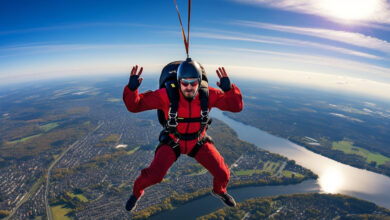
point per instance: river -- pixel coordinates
(334, 177)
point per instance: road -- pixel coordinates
(48, 211)
(21, 201)
(27, 196)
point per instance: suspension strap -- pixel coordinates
(186, 41)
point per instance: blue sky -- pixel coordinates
(343, 44)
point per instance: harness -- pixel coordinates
(170, 125)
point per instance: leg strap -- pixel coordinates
(165, 139)
(199, 144)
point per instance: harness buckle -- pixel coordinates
(204, 117)
(172, 114)
(172, 123)
(172, 119)
(176, 144)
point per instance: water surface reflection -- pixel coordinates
(334, 177)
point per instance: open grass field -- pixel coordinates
(80, 196)
(271, 167)
(288, 174)
(59, 212)
(132, 151)
(24, 139)
(49, 126)
(45, 128)
(348, 148)
(247, 172)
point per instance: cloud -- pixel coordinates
(356, 39)
(109, 53)
(295, 61)
(77, 26)
(371, 11)
(43, 48)
(291, 68)
(282, 41)
(34, 62)
(314, 79)
(49, 47)
(346, 117)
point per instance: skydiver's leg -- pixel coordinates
(210, 158)
(163, 160)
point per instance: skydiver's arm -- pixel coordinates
(136, 102)
(149, 100)
(230, 100)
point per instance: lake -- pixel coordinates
(334, 177)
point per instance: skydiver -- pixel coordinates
(186, 133)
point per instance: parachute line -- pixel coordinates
(186, 41)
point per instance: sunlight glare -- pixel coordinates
(350, 9)
(331, 181)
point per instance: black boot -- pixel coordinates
(131, 204)
(227, 199)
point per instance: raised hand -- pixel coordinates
(224, 83)
(134, 80)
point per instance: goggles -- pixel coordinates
(186, 82)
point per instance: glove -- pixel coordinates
(225, 84)
(133, 83)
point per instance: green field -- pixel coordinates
(45, 128)
(348, 148)
(24, 139)
(247, 172)
(49, 126)
(288, 174)
(80, 196)
(271, 166)
(132, 151)
(59, 212)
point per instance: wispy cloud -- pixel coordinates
(78, 26)
(356, 39)
(50, 47)
(42, 48)
(314, 80)
(378, 11)
(311, 70)
(301, 62)
(281, 41)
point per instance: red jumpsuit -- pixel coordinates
(208, 155)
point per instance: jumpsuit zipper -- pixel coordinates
(188, 126)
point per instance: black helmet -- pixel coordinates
(189, 69)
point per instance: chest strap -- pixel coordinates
(189, 120)
(173, 119)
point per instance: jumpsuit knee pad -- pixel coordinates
(225, 175)
(153, 175)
